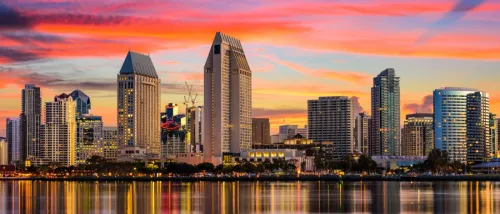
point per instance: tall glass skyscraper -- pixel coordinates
(478, 127)
(385, 121)
(31, 117)
(228, 99)
(451, 120)
(82, 102)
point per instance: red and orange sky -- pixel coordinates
(297, 49)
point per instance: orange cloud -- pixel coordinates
(348, 76)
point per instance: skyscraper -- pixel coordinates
(494, 135)
(478, 127)
(4, 153)
(417, 135)
(89, 137)
(287, 131)
(194, 125)
(331, 119)
(31, 115)
(385, 122)
(173, 133)
(59, 133)
(82, 102)
(227, 99)
(13, 139)
(138, 107)
(261, 131)
(450, 120)
(362, 133)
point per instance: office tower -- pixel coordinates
(331, 119)
(13, 139)
(385, 121)
(31, 115)
(494, 135)
(59, 133)
(110, 143)
(497, 125)
(417, 135)
(82, 102)
(138, 108)
(172, 109)
(362, 133)
(195, 127)
(227, 98)
(261, 131)
(89, 137)
(4, 151)
(287, 131)
(478, 127)
(450, 120)
(303, 131)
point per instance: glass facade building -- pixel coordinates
(82, 102)
(452, 122)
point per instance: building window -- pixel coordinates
(216, 49)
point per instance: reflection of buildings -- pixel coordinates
(228, 99)
(385, 121)
(13, 131)
(261, 131)
(59, 132)
(110, 143)
(89, 137)
(331, 119)
(138, 108)
(417, 135)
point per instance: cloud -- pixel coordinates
(339, 60)
(12, 19)
(17, 55)
(459, 10)
(426, 106)
(348, 76)
(357, 106)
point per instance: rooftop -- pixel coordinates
(136, 63)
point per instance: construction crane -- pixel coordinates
(190, 98)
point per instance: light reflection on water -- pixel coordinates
(248, 197)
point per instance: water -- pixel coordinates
(249, 197)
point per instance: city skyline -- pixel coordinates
(428, 49)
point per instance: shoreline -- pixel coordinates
(348, 178)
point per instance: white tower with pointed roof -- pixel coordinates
(227, 99)
(138, 108)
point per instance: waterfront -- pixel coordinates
(248, 197)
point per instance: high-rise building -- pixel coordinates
(417, 135)
(451, 120)
(138, 108)
(31, 117)
(304, 132)
(385, 121)
(362, 133)
(174, 140)
(13, 139)
(261, 131)
(110, 143)
(494, 135)
(227, 99)
(82, 102)
(194, 127)
(478, 127)
(89, 137)
(288, 131)
(4, 151)
(331, 119)
(59, 133)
